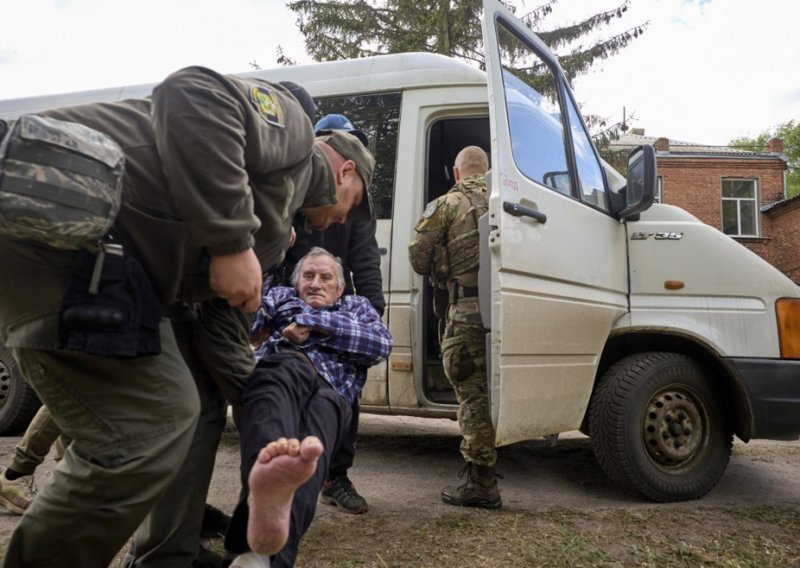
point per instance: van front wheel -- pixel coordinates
(657, 427)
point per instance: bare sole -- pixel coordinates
(281, 467)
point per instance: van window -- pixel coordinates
(537, 125)
(379, 116)
(538, 141)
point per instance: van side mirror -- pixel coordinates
(641, 187)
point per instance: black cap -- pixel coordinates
(302, 96)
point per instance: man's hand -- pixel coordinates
(297, 334)
(237, 279)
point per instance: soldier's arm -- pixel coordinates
(199, 125)
(430, 231)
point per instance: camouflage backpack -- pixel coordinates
(60, 182)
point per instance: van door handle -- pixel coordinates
(518, 210)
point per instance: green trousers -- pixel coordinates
(464, 361)
(132, 422)
(213, 339)
(40, 436)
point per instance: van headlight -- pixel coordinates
(788, 313)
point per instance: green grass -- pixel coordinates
(661, 536)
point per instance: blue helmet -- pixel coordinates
(339, 122)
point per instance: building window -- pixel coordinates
(658, 197)
(740, 207)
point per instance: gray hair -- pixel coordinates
(314, 252)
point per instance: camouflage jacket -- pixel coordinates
(446, 244)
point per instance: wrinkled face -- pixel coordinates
(317, 284)
(349, 193)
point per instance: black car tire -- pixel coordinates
(658, 427)
(18, 401)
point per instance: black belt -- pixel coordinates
(456, 291)
(468, 291)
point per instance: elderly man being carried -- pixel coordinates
(314, 346)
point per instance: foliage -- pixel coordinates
(789, 132)
(340, 29)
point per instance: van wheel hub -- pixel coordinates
(673, 428)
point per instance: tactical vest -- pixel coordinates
(460, 253)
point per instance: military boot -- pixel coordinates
(479, 489)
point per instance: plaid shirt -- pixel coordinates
(348, 336)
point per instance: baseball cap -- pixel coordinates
(351, 148)
(340, 122)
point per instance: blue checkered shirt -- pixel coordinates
(348, 336)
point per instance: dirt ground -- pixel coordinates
(559, 508)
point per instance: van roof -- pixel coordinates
(349, 76)
(372, 74)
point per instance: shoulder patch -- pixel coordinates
(430, 209)
(267, 105)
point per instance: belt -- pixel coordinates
(468, 291)
(456, 291)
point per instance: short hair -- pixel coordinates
(314, 252)
(472, 160)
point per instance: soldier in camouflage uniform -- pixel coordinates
(445, 249)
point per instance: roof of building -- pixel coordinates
(778, 204)
(635, 137)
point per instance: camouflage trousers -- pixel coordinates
(464, 360)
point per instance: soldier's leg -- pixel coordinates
(344, 456)
(131, 421)
(222, 343)
(35, 444)
(61, 445)
(464, 359)
(338, 490)
(170, 535)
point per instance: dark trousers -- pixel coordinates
(342, 460)
(285, 397)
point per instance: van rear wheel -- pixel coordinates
(656, 426)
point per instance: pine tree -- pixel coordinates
(341, 29)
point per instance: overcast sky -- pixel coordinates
(705, 71)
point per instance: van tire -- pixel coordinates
(18, 401)
(657, 427)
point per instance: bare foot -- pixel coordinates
(281, 467)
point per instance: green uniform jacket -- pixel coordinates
(215, 165)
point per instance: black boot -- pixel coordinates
(479, 490)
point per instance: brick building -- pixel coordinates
(741, 193)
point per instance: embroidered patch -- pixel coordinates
(267, 105)
(430, 209)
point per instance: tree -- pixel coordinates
(789, 132)
(341, 29)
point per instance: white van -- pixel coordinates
(653, 333)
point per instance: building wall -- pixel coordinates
(695, 184)
(785, 238)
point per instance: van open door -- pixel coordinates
(558, 256)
